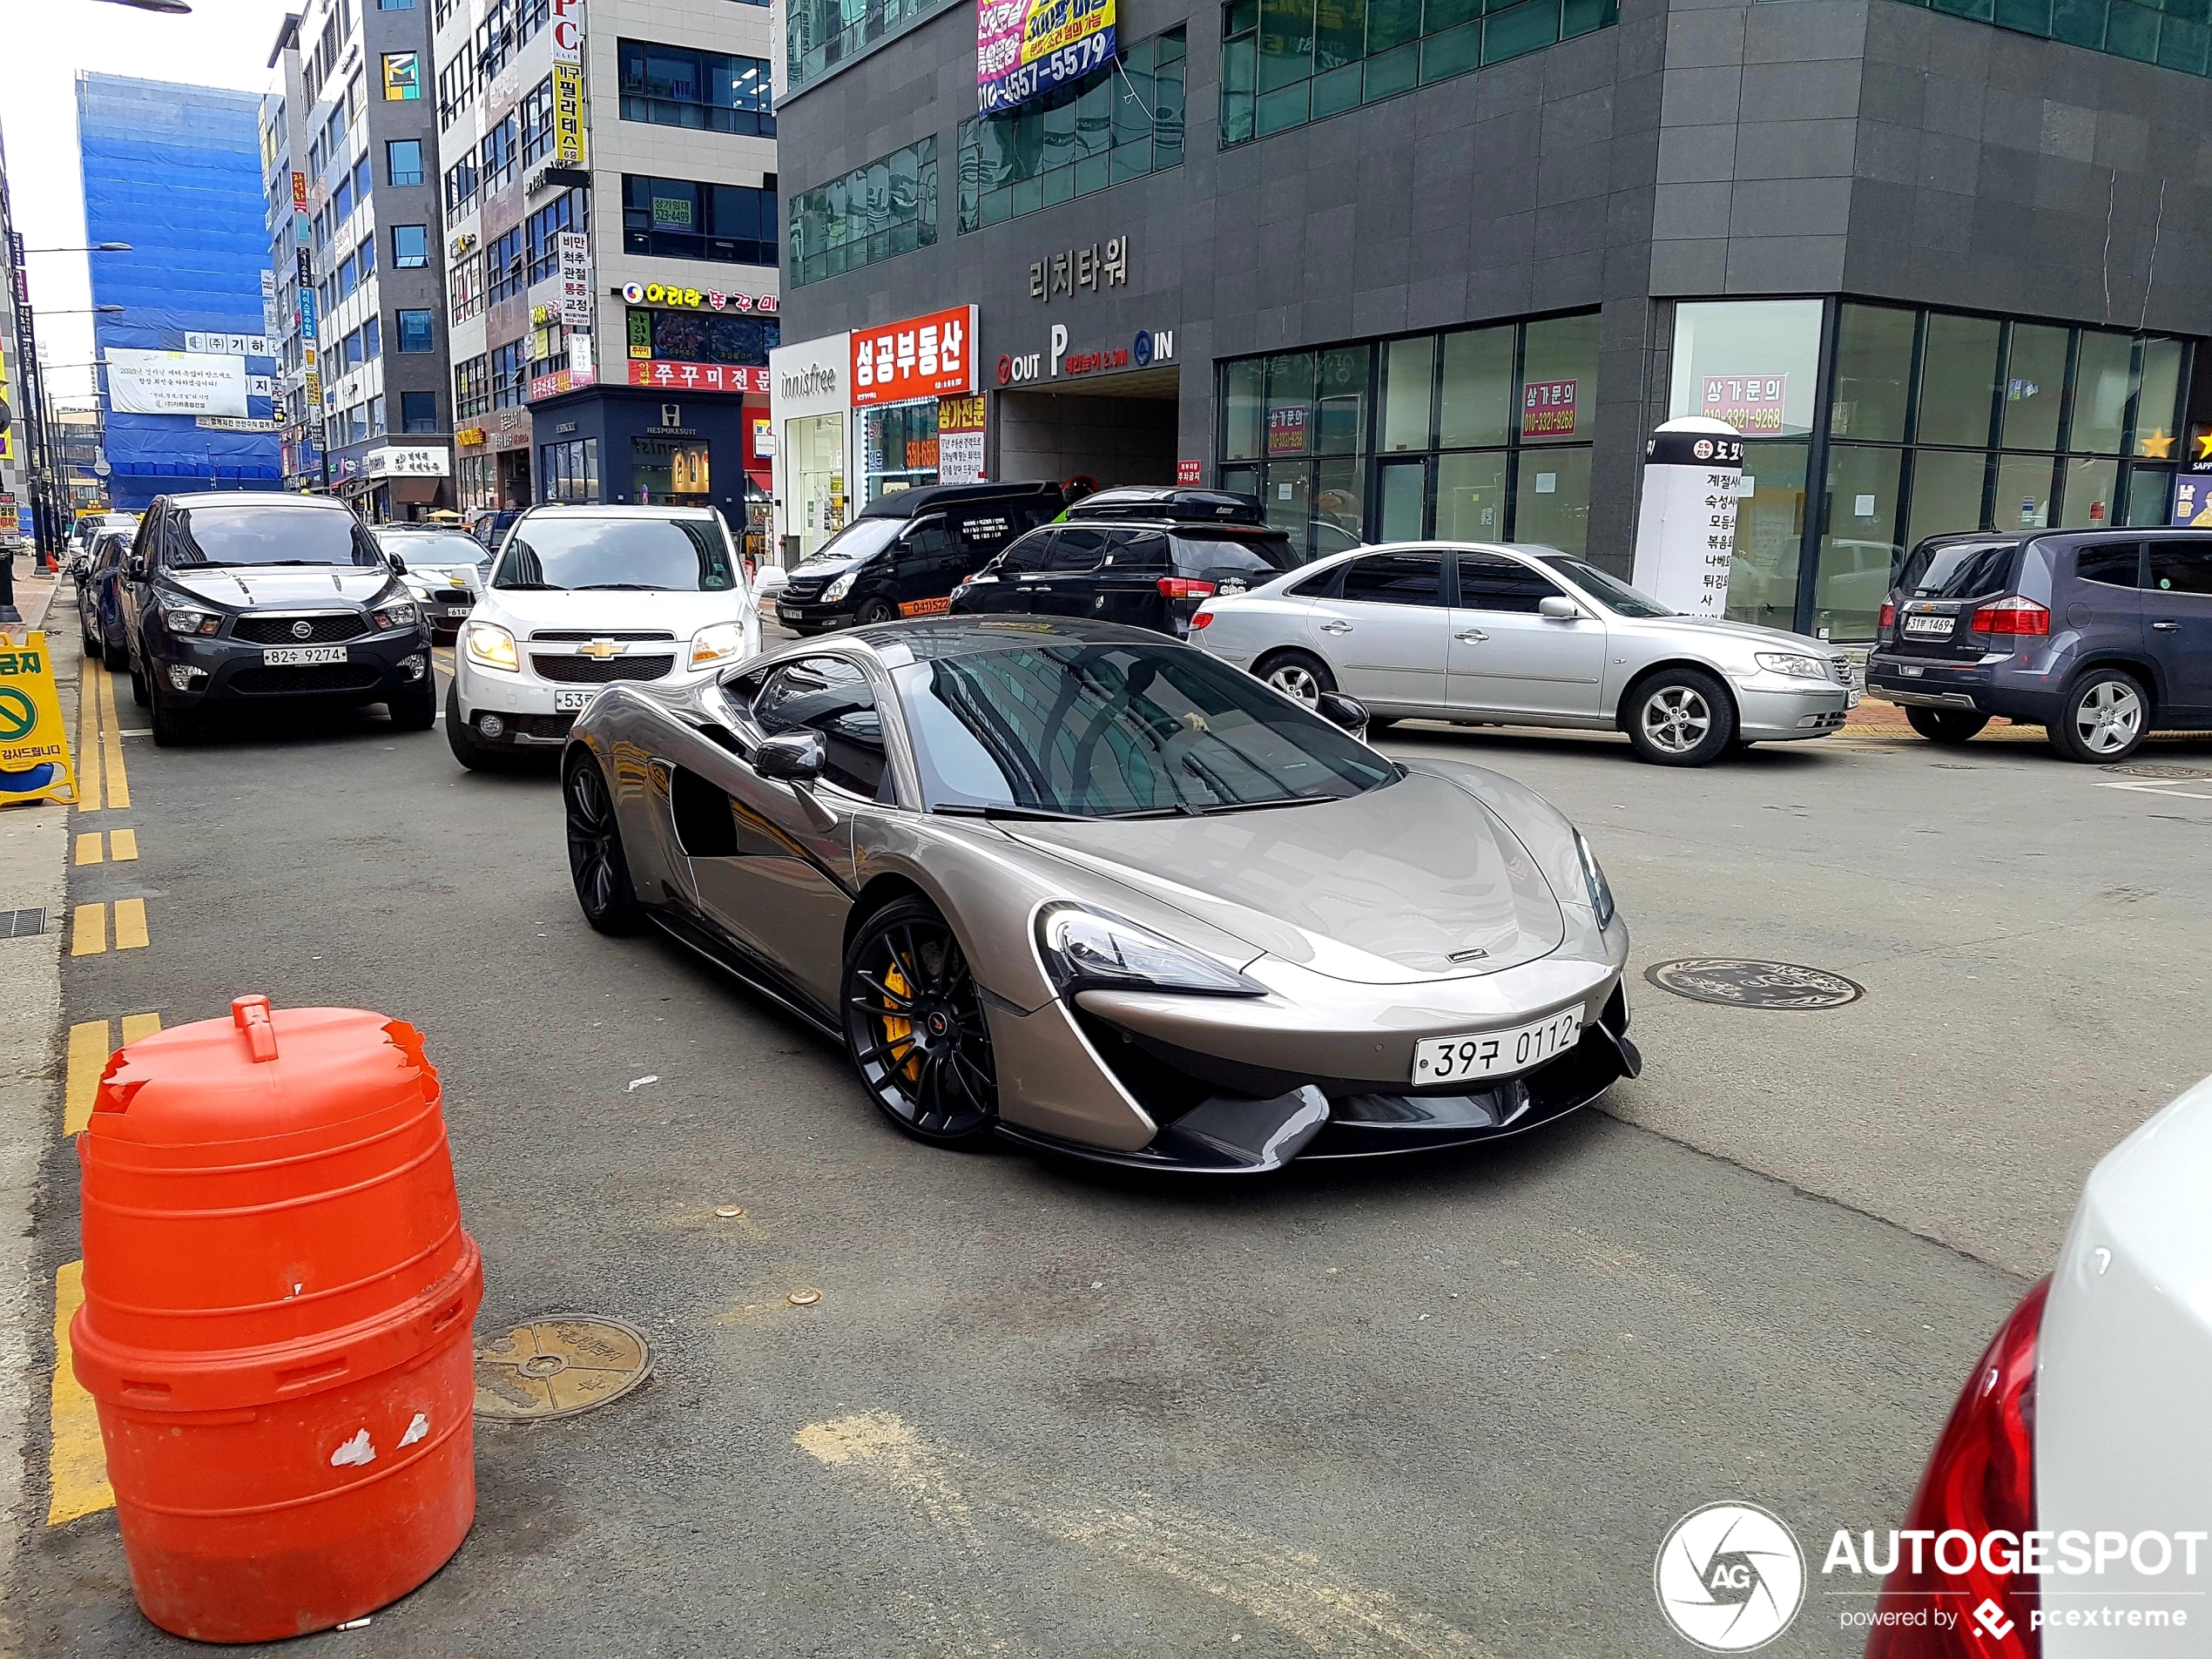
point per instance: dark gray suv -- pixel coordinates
(2099, 637)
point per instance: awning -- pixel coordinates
(761, 480)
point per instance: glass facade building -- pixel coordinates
(873, 212)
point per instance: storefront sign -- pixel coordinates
(1751, 404)
(402, 78)
(1686, 530)
(699, 377)
(231, 345)
(920, 357)
(568, 31)
(467, 435)
(2192, 500)
(422, 461)
(231, 423)
(175, 382)
(1025, 47)
(568, 115)
(655, 294)
(575, 279)
(1286, 430)
(1102, 265)
(560, 381)
(960, 440)
(1547, 409)
(299, 192)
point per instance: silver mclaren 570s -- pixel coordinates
(1090, 889)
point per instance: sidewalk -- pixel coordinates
(34, 594)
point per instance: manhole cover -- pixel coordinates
(1732, 981)
(558, 1366)
(2154, 769)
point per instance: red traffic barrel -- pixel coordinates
(278, 1295)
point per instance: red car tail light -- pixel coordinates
(2012, 614)
(1979, 1486)
(1888, 618)
(1204, 619)
(1182, 587)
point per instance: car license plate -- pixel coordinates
(294, 656)
(567, 702)
(1850, 697)
(926, 607)
(456, 611)
(787, 613)
(1929, 627)
(1496, 1053)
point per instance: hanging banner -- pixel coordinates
(568, 115)
(1025, 47)
(960, 440)
(175, 382)
(575, 279)
(34, 744)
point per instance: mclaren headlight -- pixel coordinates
(1593, 878)
(1094, 950)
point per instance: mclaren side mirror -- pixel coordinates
(1349, 712)
(1558, 608)
(790, 757)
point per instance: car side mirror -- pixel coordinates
(398, 564)
(1558, 608)
(790, 757)
(135, 567)
(1347, 712)
(770, 580)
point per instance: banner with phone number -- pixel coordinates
(1026, 47)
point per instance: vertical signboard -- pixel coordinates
(960, 439)
(1026, 47)
(575, 279)
(1693, 471)
(567, 30)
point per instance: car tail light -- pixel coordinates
(1182, 587)
(1888, 618)
(1981, 1479)
(1204, 619)
(2012, 614)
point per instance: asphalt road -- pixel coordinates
(1443, 1407)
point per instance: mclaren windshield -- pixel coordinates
(1118, 731)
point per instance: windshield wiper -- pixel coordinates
(968, 809)
(530, 587)
(626, 587)
(1197, 811)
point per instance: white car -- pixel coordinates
(580, 598)
(2076, 1467)
(1485, 633)
(441, 572)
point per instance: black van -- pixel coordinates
(907, 551)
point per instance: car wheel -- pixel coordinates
(113, 656)
(596, 860)
(875, 611)
(1679, 716)
(170, 727)
(914, 1027)
(2106, 717)
(416, 709)
(138, 692)
(1296, 674)
(1945, 725)
(467, 748)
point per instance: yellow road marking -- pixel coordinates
(139, 1025)
(78, 1461)
(88, 1053)
(88, 937)
(130, 924)
(123, 846)
(119, 784)
(91, 846)
(88, 735)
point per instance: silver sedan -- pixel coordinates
(1488, 634)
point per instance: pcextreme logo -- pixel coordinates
(1730, 1577)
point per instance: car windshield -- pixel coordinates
(433, 549)
(1608, 591)
(1111, 730)
(656, 554)
(226, 533)
(1258, 555)
(1959, 569)
(863, 538)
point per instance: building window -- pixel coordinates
(402, 77)
(365, 256)
(411, 247)
(701, 337)
(314, 157)
(466, 284)
(681, 218)
(542, 234)
(371, 340)
(1123, 122)
(1285, 63)
(419, 411)
(678, 86)
(509, 373)
(476, 481)
(498, 152)
(2178, 39)
(504, 273)
(495, 45)
(568, 472)
(416, 334)
(819, 35)
(456, 85)
(530, 17)
(342, 201)
(536, 113)
(1479, 435)
(461, 188)
(395, 5)
(471, 388)
(356, 98)
(403, 161)
(364, 181)
(350, 351)
(348, 278)
(874, 212)
(376, 417)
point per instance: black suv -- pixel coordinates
(907, 551)
(2099, 637)
(233, 596)
(1146, 557)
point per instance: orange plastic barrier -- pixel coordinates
(278, 1295)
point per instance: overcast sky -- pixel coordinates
(224, 42)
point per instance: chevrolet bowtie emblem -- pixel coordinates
(601, 649)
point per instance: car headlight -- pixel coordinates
(183, 619)
(490, 646)
(1090, 949)
(398, 613)
(840, 587)
(722, 642)
(418, 591)
(1796, 666)
(1601, 890)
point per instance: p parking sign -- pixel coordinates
(34, 745)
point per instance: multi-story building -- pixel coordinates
(351, 106)
(297, 403)
(610, 228)
(1410, 272)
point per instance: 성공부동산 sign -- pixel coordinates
(1025, 47)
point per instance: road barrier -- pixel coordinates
(278, 1295)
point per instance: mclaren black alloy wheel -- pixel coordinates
(914, 1026)
(595, 860)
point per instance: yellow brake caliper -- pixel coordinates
(897, 1031)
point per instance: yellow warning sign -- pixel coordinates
(34, 747)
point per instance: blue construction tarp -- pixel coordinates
(176, 171)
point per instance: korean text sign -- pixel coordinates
(1025, 47)
(34, 743)
(918, 358)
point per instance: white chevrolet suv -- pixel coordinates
(581, 597)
